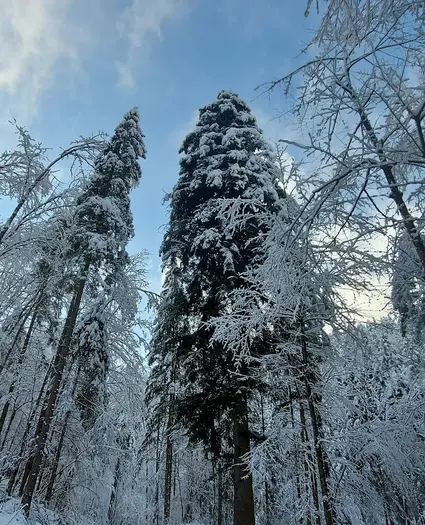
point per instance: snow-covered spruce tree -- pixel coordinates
(224, 157)
(102, 228)
(93, 364)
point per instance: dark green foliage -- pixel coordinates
(225, 160)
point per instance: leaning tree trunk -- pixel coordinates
(243, 503)
(51, 397)
(22, 353)
(30, 419)
(18, 334)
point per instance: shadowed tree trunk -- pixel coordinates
(309, 469)
(168, 462)
(219, 493)
(14, 342)
(168, 478)
(113, 498)
(243, 504)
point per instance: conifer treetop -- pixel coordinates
(225, 158)
(119, 159)
(103, 214)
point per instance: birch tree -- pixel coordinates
(360, 104)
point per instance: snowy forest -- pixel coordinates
(252, 390)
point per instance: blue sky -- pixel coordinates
(73, 67)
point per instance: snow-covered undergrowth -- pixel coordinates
(11, 513)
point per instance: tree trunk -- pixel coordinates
(113, 499)
(168, 465)
(157, 458)
(18, 364)
(322, 465)
(309, 472)
(266, 483)
(243, 503)
(52, 396)
(168, 478)
(31, 418)
(297, 477)
(15, 340)
(53, 474)
(9, 425)
(219, 493)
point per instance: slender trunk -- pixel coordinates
(146, 490)
(322, 465)
(113, 498)
(297, 477)
(31, 418)
(53, 474)
(175, 469)
(308, 468)
(266, 484)
(42, 470)
(52, 396)
(29, 463)
(243, 504)
(156, 503)
(182, 513)
(56, 461)
(168, 465)
(219, 493)
(14, 342)
(18, 364)
(168, 478)
(9, 425)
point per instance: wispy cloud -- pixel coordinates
(34, 38)
(141, 25)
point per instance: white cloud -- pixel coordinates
(140, 25)
(34, 38)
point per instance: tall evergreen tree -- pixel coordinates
(103, 226)
(225, 158)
